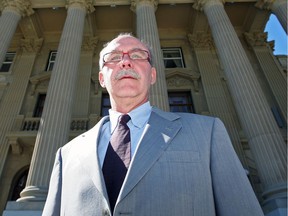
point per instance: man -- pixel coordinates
(178, 163)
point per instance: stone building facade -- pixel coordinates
(212, 58)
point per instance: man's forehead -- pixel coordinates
(125, 42)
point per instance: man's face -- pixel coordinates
(127, 78)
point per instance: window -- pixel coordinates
(39, 105)
(19, 185)
(278, 117)
(7, 62)
(173, 58)
(51, 60)
(105, 104)
(180, 102)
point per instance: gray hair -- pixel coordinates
(122, 35)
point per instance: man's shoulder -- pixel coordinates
(183, 116)
(85, 137)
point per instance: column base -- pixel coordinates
(33, 194)
(275, 200)
(276, 207)
(23, 208)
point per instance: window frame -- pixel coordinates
(7, 62)
(18, 184)
(39, 106)
(105, 107)
(181, 56)
(51, 61)
(189, 104)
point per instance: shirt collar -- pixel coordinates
(139, 116)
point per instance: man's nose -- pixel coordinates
(126, 61)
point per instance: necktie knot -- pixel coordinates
(124, 119)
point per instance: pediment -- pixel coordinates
(183, 73)
(182, 78)
(41, 78)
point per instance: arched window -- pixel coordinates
(18, 184)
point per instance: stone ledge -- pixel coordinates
(23, 208)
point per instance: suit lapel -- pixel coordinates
(89, 159)
(158, 134)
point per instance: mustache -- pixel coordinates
(129, 72)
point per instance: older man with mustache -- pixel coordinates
(142, 161)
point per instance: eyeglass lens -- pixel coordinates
(118, 56)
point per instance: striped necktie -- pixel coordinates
(117, 159)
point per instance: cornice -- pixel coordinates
(62, 3)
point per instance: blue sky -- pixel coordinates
(277, 33)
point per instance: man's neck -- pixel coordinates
(127, 105)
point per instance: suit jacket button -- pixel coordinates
(106, 212)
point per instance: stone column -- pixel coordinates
(12, 101)
(218, 101)
(276, 78)
(278, 7)
(12, 11)
(56, 118)
(147, 30)
(81, 98)
(263, 134)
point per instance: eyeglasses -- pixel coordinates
(117, 56)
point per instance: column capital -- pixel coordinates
(31, 45)
(264, 4)
(85, 4)
(89, 43)
(257, 39)
(270, 4)
(201, 40)
(23, 7)
(199, 4)
(134, 3)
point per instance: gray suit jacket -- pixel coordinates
(185, 165)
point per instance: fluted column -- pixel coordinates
(12, 11)
(55, 122)
(264, 138)
(218, 102)
(81, 98)
(278, 7)
(275, 77)
(147, 30)
(12, 101)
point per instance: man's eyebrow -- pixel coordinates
(114, 50)
(136, 48)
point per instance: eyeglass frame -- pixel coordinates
(127, 53)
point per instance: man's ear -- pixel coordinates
(153, 75)
(101, 79)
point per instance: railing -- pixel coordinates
(79, 125)
(32, 124)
